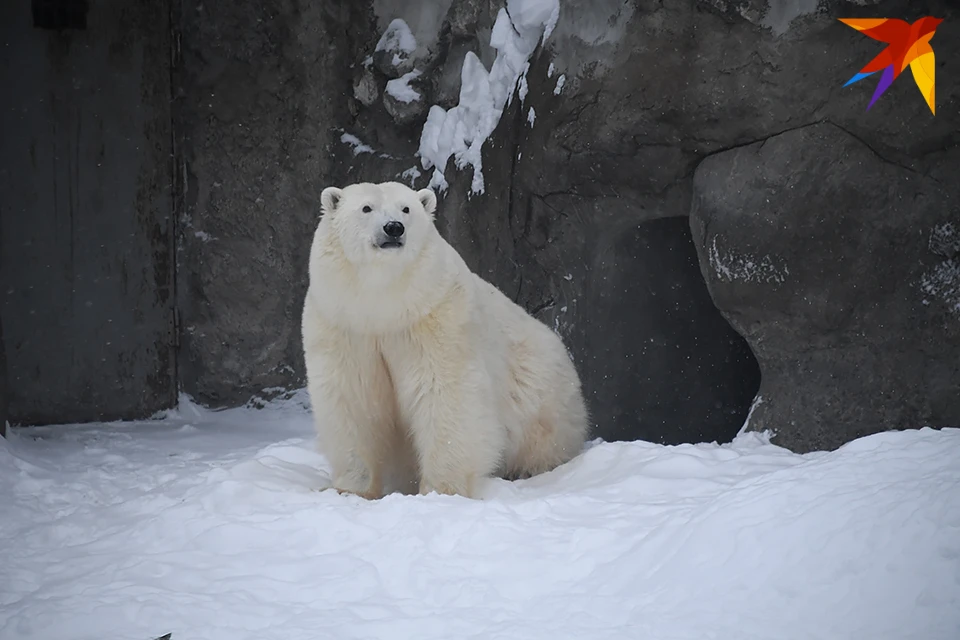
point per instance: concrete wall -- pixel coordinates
(88, 290)
(260, 101)
(3, 385)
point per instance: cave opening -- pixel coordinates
(660, 362)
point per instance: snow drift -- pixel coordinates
(209, 526)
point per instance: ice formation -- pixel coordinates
(461, 131)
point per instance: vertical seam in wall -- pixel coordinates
(177, 176)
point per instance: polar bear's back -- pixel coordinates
(538, 387)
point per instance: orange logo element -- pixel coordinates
(907, 44)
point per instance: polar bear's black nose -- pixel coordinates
(393, 229)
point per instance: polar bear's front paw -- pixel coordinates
(359, 485)
(367, 495)
(460, 487)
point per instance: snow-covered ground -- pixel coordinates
(209, 525)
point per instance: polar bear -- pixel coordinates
(420, 373)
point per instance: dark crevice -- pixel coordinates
(547, 304)
(764, 139)
(872, 150)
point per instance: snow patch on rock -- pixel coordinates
(757, 401)
(400, 89)
(397, 38)
(461, 131)
(560, 82)
(945, 240)
(746, 268)
(423, 19)
(522, 91)
(355, 142)
(411, 175)
(531, 15)
(943, 283)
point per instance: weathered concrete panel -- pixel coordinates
(261, 99)
(87, 272)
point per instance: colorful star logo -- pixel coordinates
(907, 44)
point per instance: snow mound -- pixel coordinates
(400, 89)
(397, 38)
(214, 525)
(461, 131)
(530, 16)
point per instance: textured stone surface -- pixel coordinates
(365, 88)
(261, 91)
(409, 105)
(650, 90)
(624, 143)
(584, 220)
(3, 385)
(86, 258)
(840, 269)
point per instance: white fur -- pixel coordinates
(422, 374)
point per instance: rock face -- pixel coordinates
(629, 99)
(840, 267)
(87, 251)
(620, 116)
(260, 90)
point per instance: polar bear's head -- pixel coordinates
(378, 223)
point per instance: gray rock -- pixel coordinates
(392, 64)
(365, 88)
(408, 103)
(463, 17)
(829, 259)
(3, 385)
(751, 10)
(395, 51)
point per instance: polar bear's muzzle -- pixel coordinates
(392, 235)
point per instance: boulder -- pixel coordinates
(840, 268)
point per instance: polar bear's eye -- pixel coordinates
(406, 209)
(367, 209)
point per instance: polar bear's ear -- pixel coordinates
(329, 199)
(428, 199)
